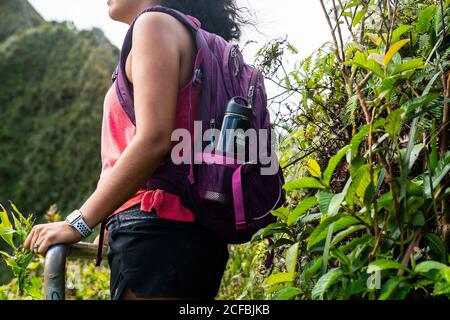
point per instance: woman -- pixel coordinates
(156, 248)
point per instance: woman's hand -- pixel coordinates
(44, 236)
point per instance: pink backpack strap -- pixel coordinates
(123, 87)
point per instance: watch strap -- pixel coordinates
(75, 219)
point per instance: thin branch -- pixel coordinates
(391, 27)
(330, 25)
(338, 27)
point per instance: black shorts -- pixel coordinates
(156, 257)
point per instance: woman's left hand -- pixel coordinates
(43, 236)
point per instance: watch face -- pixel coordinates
(73, 217)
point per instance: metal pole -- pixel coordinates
(55, 266)
(55, 272)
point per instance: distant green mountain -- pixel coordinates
(15, 16)
(53, 79)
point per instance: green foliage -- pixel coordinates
(14, 234)
(84, 281)
(54, 79)
(362, 141)
(379, 217)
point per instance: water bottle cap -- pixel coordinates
(239, 105)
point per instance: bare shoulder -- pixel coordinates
(160, 35)
(158, 24)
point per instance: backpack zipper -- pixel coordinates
(235, 60)
(251, 92)
(252, 89)
(115, 74)
(233, 64)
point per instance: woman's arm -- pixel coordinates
(155, 74)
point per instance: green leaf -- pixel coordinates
(358, 138)
(383, 264)
(418, 219)
(400, 31)
(442, 288)
(342, 257)
(286, 293)
(22, 219)
(411, 106)
(345, 233)
(415, 152)
(385, 200)
(340, 222)
(311, 269)
(325, 282)
(355, 165)
(369, 196)
(280, 278)
(291, 258)
(434, 150)
(389, 287)
(358, 17)
(373, 37)
(326, 248)
(424, 20)
(393, 50)
(301, 208)
(367, 238)
(426, 266)
(303, 183)
(355, 288)
(436, 245)
(337, 199)
(314, 168)
(4, 219)
(363, 132)
(279, 243)
(363, 183)
(333, 163)
(351, 4)
(389, 83)
(436, 180)
(287, 83)
(378, 58)
(438, 20)
(347, 14)
(309, 218)
(6, 229)
(5, 255)
(361, 174)
(413, 64)
(394, 123)
(402, 291)
(324, 199)
(362, 61)
(282, 213)
(271, 229)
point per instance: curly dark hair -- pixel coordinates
(222, 17)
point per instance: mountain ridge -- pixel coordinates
(54, 79)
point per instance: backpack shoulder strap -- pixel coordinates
(123, 87)
(191, 22)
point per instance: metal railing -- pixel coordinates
(55, 266)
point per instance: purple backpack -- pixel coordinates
(248, 196)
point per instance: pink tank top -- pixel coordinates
(117, 132)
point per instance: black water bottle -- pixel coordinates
(238, 115)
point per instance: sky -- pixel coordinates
(301, 20)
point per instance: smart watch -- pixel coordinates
(75, 219)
